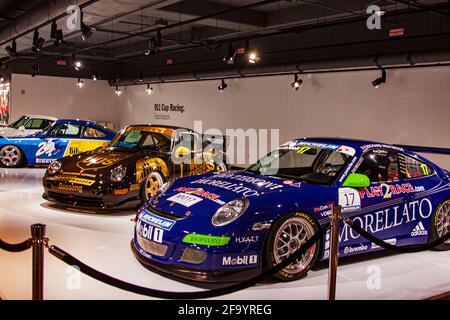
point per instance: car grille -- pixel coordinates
(164, 214)
(194, 256)
(70, 199)
(151, 247)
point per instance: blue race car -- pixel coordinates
(63, 138)
(229, 226)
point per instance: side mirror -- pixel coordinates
(357, 180)
(22, 128)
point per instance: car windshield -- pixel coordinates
(20, 122)
(143, 139)
(318, 165)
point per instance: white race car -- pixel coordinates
(27, 125)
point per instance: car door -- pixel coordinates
(423, 181)
(382, 203)
(55, 142)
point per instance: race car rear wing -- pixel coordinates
(421, 149)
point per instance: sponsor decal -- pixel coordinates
(145, 166)
(322, 208)
(44, 161)
(347, 170)
(202, 193)
(163, 223)
(298, 144)
(184, 199)
(349, 200)
(78, 146)
(246, 240)
(65, 187)
(347, 150)
(360, 248)
(239, 260)
(389, 218)
(200, 168)
(206, 240)
(70, 179)
(46, 147)
(82, 174)
(392, 241)
(262, 183)
(387, 191)
(419, 230)
(96, 162)
(149, 232)
(377, 145)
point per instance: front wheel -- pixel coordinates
(11, 156)
(440, 225)
(285, 237)
(152, 184)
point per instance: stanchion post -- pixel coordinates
(38, 237)
(334, 250)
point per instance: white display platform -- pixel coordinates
(103, 242)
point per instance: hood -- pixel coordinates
(206, 193)
(12, 132)
(103, 160)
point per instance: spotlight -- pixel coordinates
(222, 86)
(118, 91)
(77, 64)
(381, 80)
(2, 78)
(95, 76)
(59, 38)
(38, 42)
(86, 31)
(297, 83)
(12, 49)
(80, 83)
(252, 55)
(53, 30)
(141, 77)
(149, 89)
(231, 54)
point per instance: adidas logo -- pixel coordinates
(419, 230)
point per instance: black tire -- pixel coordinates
(270, 259)
(437, 228)
(11, 156)
(158, 175)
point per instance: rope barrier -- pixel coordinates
(388, 246)
(71, 260)
(16, 247)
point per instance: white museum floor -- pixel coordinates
(102, 241)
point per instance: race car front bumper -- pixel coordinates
(93, 197)
(193, 274)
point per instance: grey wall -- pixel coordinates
(60, 97)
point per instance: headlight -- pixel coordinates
(118, 173)
(229, 212)
(54, 167)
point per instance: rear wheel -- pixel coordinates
(285, 237)
(440, 225)
(11, 156)
(152, 184)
